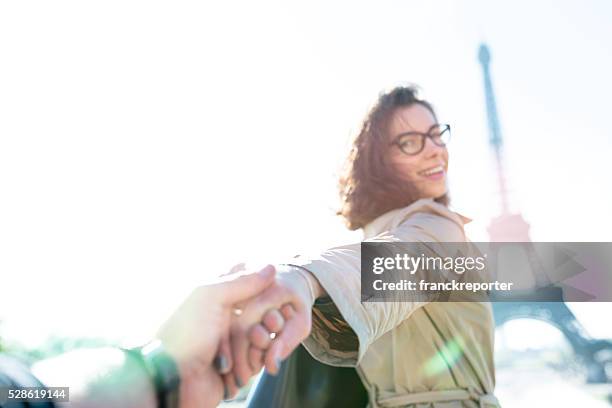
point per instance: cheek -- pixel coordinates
(405, 165)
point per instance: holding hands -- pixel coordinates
(266, 328)
(225, 333)
(219, 337)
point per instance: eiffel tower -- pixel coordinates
(512, 227)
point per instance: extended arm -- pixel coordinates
(110, 377)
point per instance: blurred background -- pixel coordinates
(146, 147)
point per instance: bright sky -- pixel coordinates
(146, 147)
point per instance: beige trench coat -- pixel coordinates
(408, 354)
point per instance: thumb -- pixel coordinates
(246, 286)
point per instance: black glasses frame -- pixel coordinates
(444, 129)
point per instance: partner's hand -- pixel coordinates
(192, 334)
(292, 295)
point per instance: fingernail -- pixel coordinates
(224, 364)
(220, 364)
(225, 392)
(267, 271)
(238, 382)
(278, 362)
(217, 363)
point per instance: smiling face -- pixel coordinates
(427, 170)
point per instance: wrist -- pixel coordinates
(309, 284)
(163, 370)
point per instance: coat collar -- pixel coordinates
(394, 218)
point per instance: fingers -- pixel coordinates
(257, 310)
(230, 388)
(272, 298)
(287, 311)
(246, 286)
(253, 313)
(240, 348)
(273, 321)
(296, 329)
(256, 359)
(223, 360)
(259, 337)
(258, 340)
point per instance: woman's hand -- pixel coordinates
(290, 298)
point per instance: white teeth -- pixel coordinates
(431, 171)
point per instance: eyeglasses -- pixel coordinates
(412, 143)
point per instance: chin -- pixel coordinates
(433, 194)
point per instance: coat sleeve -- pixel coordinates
(342, 326)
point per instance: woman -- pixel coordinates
(408, 354)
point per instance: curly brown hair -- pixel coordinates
(369, 185)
